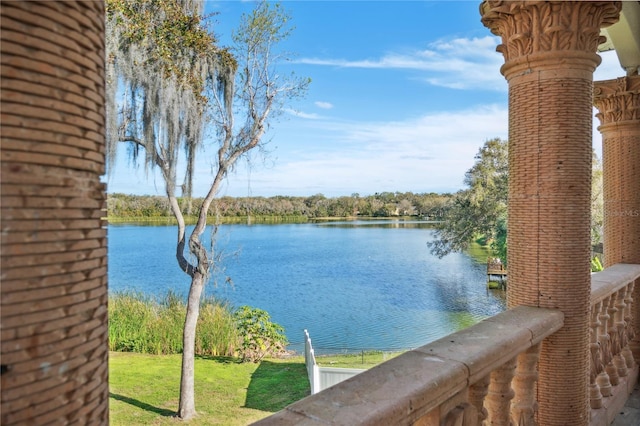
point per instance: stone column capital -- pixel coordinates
(617, 100)
(531, 30)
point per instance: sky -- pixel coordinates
(402, 96)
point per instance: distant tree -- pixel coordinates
(432, 205)
(168, 83)
(406, 208)
(376, 206)
(597, 203)
(481, 208)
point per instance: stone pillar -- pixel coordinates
(618, 103)
(550, 55)
(53, 257)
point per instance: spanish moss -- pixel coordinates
(163, 108)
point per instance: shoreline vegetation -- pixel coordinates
(226, 220)
(252, 220)
(150, 324)
(123, 208)
(147, 324)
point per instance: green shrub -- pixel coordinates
(259, 336)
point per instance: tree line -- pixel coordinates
(430, 206)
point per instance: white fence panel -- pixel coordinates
(330, 376)
(321, 378)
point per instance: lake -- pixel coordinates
(356, 285)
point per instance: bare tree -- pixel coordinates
(168, 84)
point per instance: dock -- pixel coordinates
(495, 268)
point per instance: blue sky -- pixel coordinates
(403, 95)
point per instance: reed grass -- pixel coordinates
(144, 324)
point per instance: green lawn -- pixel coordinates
(144, 389)
(363, 360)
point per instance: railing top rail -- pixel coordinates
(612, 279)
(409, 386)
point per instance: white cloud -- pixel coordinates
(459, 63)
(428, 152)
(423, 154)
(323, 105)
(310, 116)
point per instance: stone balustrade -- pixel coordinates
(613, 369)
(485, 373)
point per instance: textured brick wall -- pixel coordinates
(549, 50)
(53, 261)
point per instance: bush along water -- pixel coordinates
(144, 324)
(259, 336)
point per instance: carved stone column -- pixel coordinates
(550, 55)
(618, 103)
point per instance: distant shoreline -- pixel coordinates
(258, 219)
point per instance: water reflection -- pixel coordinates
(379, 223)
(355, 285)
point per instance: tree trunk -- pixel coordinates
(187, 407)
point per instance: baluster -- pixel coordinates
(634, 343)
(524, 405)
(477, 393)
(595, 395)
(621, 333)
(461, 415)
(630, 332)
(614, 345)
(603, 379)
(498, 400)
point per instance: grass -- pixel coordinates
(363, 360)
(144, 389)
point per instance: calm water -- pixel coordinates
(353, 285)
